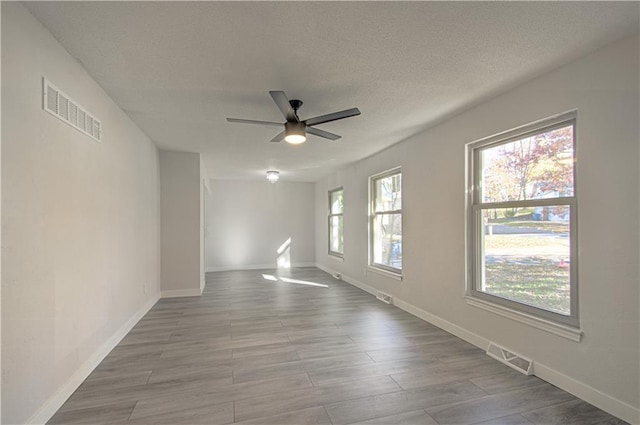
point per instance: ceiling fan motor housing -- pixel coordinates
(295, 128)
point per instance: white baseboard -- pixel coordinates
(579, 389)
(255, 267)
(454, 329)
(348, 279)
(589, 394)
(176, 293)
(244, 267)
(311, 264)
(51, 406)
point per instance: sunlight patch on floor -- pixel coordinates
(272, 278)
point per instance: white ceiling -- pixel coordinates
(179, 68)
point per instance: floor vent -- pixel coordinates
(384, 297)
(66, 109)
(511, 359)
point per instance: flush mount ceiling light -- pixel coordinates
(273, 176)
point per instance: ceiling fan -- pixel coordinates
(295, 129)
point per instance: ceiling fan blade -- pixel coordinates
(333, 117)
(322, 133)
(242, 121)
(278, 137)
(282, 101)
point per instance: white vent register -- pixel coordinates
(384, 297)
(57, 103)
(510, 358)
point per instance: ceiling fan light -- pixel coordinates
(273, 176)
(294, 133)
(295, 139)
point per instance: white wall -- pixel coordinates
(0, 231)
(247, 221)
(204, 193)
(80, 247)
(603, 87)
(181, 208)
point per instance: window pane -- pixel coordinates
(335, 234)
(387, 240)
(526, 256)
(337, 205)
(388, 193)
(535, 167)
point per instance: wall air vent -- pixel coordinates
(66, 109)
(511, 359)
(384, 297)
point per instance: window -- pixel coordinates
(385, 226)
(522, 219)
(336, 222)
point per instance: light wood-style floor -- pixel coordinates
(253, 350)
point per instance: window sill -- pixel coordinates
(386, 273)
(564, 331)
(336, 257)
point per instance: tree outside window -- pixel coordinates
(386, 221)
(336, 222)
(522, 220)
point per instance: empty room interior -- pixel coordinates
(320, 213)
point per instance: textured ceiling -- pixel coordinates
(179, 68)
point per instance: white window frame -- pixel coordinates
(331, 215)
(377, 267)
(564, 325)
